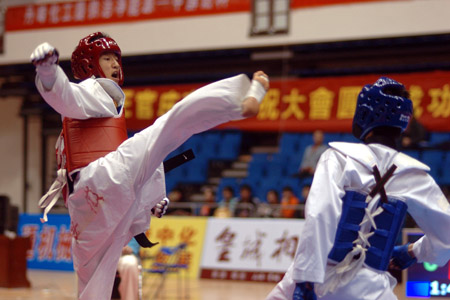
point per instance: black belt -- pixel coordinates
(169, 165)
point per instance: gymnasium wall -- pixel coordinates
(310, 24)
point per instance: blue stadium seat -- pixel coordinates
(260, 157)
(210, 144)
(433, 159)
(306, 139)
(230, 146)
(257, 169)
(445, 178)
(197, 171)
(349, 138)
(289, 143)
(174, 177)
(192, 143)
(332, 137)
(275, 169)
(293, 166)
(437, 138)
(413, 153)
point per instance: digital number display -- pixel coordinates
(427, 289)
(425, 279)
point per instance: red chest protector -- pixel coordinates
(88, 140)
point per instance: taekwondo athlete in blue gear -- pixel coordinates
(358, 201)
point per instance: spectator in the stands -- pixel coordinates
(128, 269)
(209, 202)
(246, 206)
(270, 208)
(305, 192)
(312, 155)
(227, 204)
(415, 136)
(288, 203)
(178, 204)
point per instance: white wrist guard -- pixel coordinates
(256, 91)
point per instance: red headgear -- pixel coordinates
(86, 55)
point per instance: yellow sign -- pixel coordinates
(180, 245)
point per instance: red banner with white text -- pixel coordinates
(92, 12)
(304, 104)
(311, 3)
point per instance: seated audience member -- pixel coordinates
(209, 202)
(227, 204)
(128, 269)
(270, 208)
(288, 200)
(305, 193)
(246, 206)
(178, 204)
(312, 155)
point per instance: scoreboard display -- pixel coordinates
(426, 280)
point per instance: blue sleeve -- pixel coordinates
(135, 246)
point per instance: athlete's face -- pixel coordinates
(109, 62)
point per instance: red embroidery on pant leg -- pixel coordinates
(74, 230)
(93, 199)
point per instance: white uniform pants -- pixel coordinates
(367, 284)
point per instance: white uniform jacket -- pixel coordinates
(348, 166)
(113, 195)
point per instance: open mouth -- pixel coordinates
(115, 74)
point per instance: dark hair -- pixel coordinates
(245, 187)
(274, 191)
(228, 188)
(287, 189)
(396, 91)
(384, 135)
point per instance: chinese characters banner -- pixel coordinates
(249, 249)
(91, 12)
(51, 242)
(304, 104)
(77, 13)
(308, 3)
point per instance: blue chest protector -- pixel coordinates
(388, 224)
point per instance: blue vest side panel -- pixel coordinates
(389, 224)
(353, 210)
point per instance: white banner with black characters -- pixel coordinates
(249, 249)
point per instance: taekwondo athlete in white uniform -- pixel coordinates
(110, 182)
(359, 198)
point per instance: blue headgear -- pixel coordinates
(375, 108)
